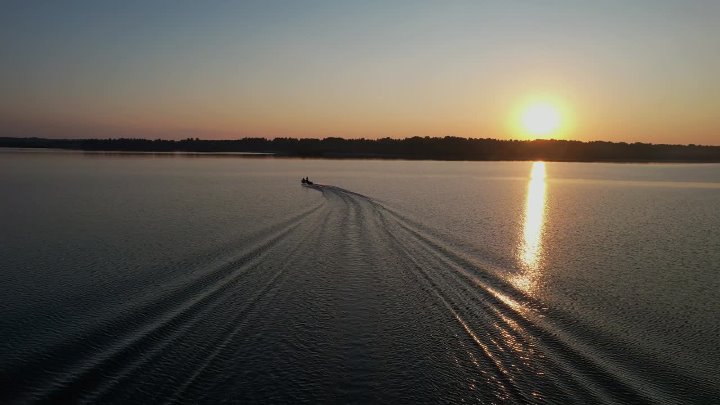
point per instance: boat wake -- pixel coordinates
(349, 301)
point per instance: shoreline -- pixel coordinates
(415, 148)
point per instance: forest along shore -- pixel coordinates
(445, 148)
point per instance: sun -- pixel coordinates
(540, 119)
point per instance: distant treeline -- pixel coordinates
(447, 148)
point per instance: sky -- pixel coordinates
(632, 71)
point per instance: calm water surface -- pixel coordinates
(191, 279)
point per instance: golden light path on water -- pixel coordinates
(530, 251)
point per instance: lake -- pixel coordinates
(135, 278)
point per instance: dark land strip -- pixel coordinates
(415, 148)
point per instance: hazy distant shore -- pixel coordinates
(415, 148)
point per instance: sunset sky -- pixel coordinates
(611, 70)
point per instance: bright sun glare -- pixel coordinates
(540, 119)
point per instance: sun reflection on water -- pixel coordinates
(530, 251)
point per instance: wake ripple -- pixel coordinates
(349, 301)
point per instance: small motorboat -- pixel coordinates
(306, 182)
